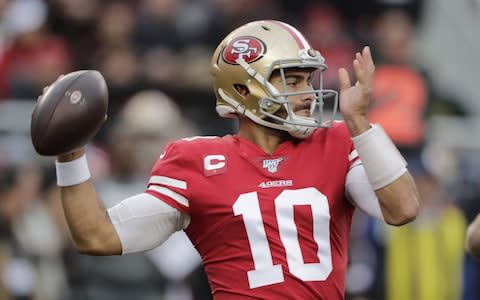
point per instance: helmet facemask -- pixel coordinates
(297, 126)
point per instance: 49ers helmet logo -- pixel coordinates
(247, 47)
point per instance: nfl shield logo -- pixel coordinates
(272, 164)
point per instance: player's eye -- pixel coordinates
(291, 83)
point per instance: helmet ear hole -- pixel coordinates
(241, 89)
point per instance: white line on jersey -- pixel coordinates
(167, 192)
(164, 180)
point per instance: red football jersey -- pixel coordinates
(267, 226)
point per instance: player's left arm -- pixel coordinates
(473, 238)
(385, 167)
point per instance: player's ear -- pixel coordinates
(242, 89)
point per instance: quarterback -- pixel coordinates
(268, 208)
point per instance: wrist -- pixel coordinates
(74, 171)
(357, 124)
(380, 157)
(72, 155)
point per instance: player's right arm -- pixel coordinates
(138, 223)
(473, 238)
(90, 227)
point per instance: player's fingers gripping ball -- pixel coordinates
(69, 112)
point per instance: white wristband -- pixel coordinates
(381, 159)
(72, 172)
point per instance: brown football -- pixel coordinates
(69, 113)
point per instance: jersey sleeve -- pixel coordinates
(353, 158)
(169, 178)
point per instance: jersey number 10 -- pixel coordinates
(265, 272)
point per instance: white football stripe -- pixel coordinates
(356, 163)
(163, 180)
(175, 196)
(353, 155)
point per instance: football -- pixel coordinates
(69, 113)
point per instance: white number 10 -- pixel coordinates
(265, 272)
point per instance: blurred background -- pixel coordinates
(155, 57)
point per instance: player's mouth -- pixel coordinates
(303, 110)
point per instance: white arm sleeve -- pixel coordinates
(360, 192)
(144, 222)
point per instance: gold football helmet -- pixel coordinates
(248, 56)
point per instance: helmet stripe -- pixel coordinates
(298, 37)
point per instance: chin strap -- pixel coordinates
(240, 109)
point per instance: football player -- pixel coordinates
(473, 238)
(268, 208)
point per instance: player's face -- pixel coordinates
(296, 80)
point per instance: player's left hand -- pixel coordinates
(354, 99)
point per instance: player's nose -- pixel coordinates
(308, 97)
(304, 103)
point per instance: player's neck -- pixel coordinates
(267, 139)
